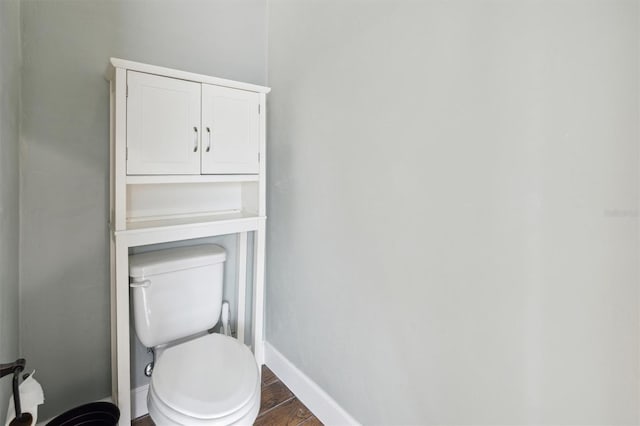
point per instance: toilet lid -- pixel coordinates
(208, 377)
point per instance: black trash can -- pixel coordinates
(94, 413)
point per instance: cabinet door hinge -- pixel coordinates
(126, 153)
(259, 108)
(258, 157)
(127, 92)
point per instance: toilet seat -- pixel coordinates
(162, 415)
(211, 380)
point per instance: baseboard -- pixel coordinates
(139, 402)
(306, 390)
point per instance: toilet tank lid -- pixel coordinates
(174, 259)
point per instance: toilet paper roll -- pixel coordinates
(31, 395)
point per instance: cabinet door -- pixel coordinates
(163, 125)
(230, 138)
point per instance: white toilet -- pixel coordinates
(198, 378)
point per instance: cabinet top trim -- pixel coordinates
(183, 75)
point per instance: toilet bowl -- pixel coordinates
(211, 380)
(208, 380)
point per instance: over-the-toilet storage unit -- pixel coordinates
(187, 161)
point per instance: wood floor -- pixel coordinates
(278, 406)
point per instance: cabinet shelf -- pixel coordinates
(143, 232)
(163, 179)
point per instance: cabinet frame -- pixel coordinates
(122, 238)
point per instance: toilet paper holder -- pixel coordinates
(16, 368)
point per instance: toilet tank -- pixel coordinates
(176, 292)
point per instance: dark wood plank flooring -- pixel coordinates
(278, 406)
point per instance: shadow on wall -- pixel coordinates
(9, 188)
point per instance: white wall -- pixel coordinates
(9, 187)
(453, 207)
(64, 245)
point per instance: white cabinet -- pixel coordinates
(178, 127)
(230, 136)
(187, 159)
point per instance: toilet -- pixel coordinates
(198, 378)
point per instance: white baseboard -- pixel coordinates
(306, 390)
(139, 402)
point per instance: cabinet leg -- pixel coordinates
(258, 292)
(122, 329)
(242, 284)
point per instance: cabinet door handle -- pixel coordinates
(209, 135)
(195, 139)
